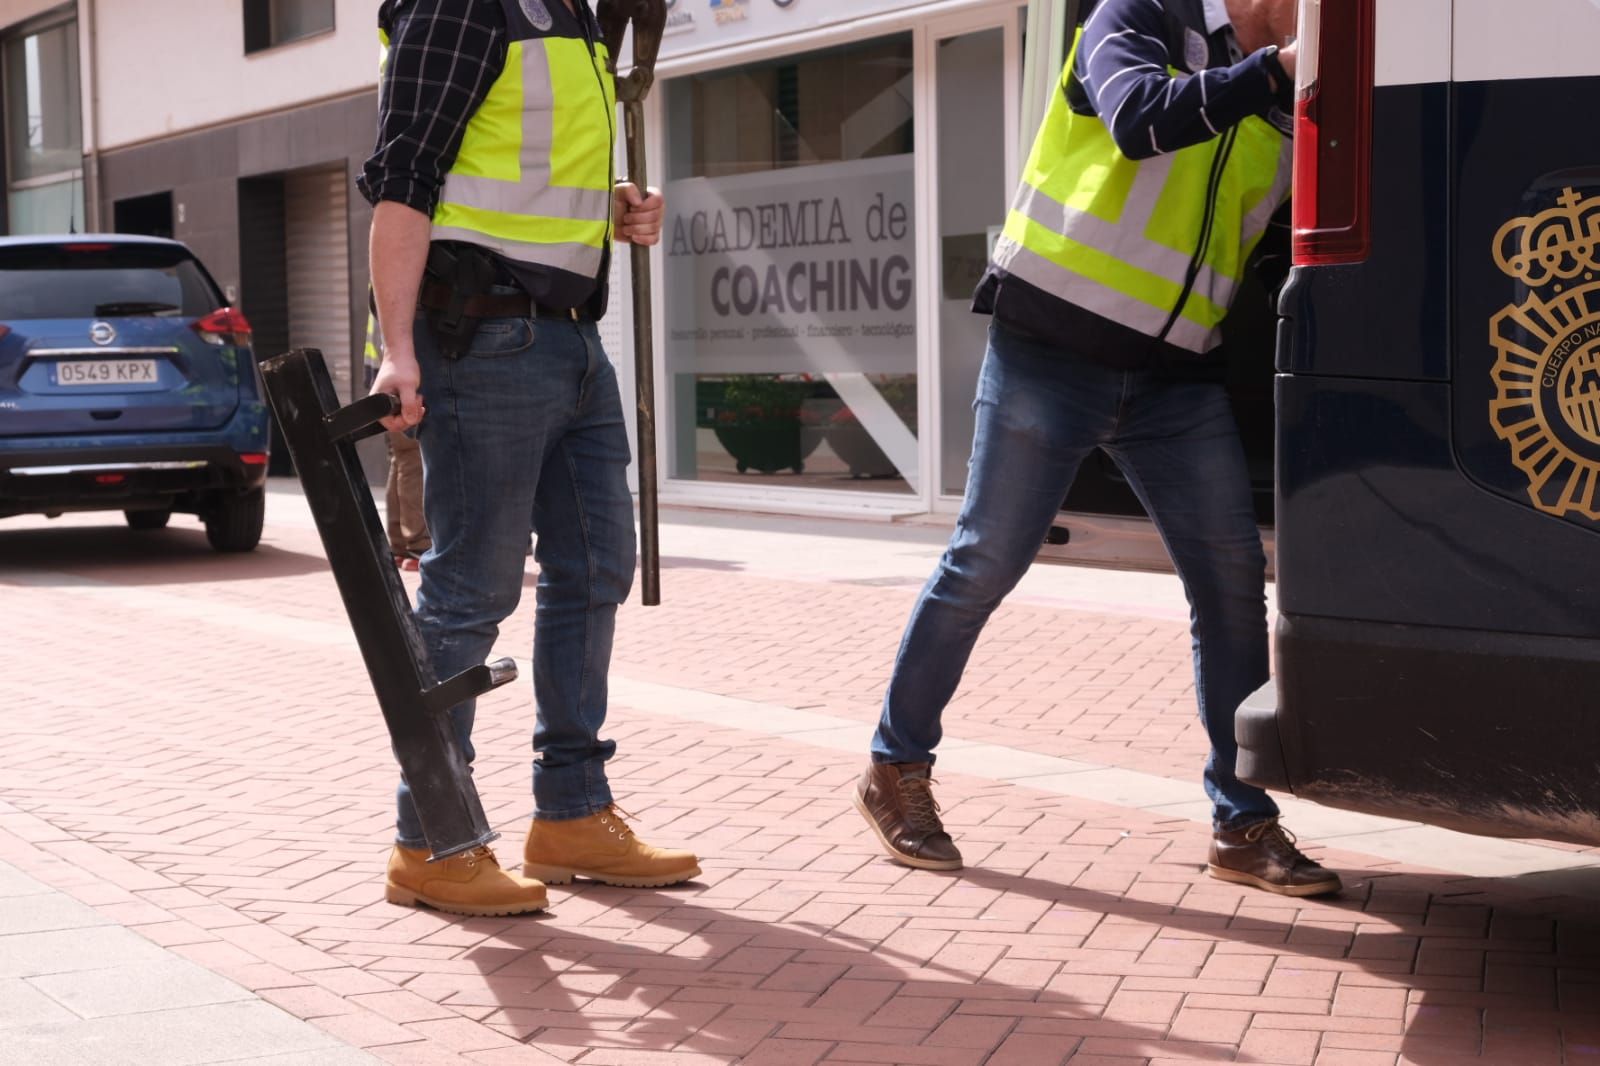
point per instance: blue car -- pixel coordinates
(127, 384)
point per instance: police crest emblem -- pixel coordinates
(1547, 373)
(537, 14)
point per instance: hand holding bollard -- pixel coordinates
(321, 437)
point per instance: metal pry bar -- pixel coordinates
(320, 436)
(648, 19)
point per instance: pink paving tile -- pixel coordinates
(1346, 1057)
(1370, 1002)
(970, 1031)
(1209, 1026)
(364, 1030)
(517, 1055)
(419, 1053)
(400, 1006)
(627, 1057)
(307, 1001)
(1279, 1046)
(1022, 1049)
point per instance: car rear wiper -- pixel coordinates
(133, 307)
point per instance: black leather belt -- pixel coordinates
(436, 297)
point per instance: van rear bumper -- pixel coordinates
(1486, 732)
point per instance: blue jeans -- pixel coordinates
(525, 434)
(1040, 411)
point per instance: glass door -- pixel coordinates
(974, 103)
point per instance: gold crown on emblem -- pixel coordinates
(1559, 244)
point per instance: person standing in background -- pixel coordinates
(402, 494)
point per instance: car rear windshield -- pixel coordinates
(101, 281)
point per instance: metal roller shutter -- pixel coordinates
(318, 268)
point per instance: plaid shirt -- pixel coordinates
(444, 56)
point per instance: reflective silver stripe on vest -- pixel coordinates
(492, 194)
(1122, 241)
(1145, 192)
(532, 195)
(1092, 296)
(578, 258)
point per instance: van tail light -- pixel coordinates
(1333, 132)
(225, 325)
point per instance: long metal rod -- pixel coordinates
(644, 364)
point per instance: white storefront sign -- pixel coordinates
(797, 270)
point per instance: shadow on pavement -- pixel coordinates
(1481, 977)
(173, 556)
(756, 981)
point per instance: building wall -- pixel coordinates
(215, 82)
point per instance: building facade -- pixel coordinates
(835, 170)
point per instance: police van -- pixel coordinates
(1434, 369)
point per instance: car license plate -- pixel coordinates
(106, 372)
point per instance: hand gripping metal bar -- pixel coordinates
(648, 19)
(321, 439)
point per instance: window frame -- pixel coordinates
(260, 37)
(60, 18)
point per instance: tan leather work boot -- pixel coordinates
(601, 848)
(897, 800)
(1264, 855)
(471, 883)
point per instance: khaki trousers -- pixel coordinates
(408, 530)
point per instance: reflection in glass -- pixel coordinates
(795, 428)
(790, 282)
(43, 120)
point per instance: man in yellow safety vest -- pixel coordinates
(495, 213)
(1161, 160)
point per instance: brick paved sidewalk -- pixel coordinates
(192, 751)
(76, 988)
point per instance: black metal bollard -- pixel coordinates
(321, 436)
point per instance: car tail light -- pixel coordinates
(225, 325)
(4, 329)
(253, 458)
(1333, 132)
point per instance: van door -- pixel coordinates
(1525, 407)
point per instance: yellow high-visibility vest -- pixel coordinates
(1157, 245)
(373, 356)
(533, 178)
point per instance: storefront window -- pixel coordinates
(790, 285)
(43, 123)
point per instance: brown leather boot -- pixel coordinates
(1264, 855)
(471, 883)
(897, 800)
(602, 848)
